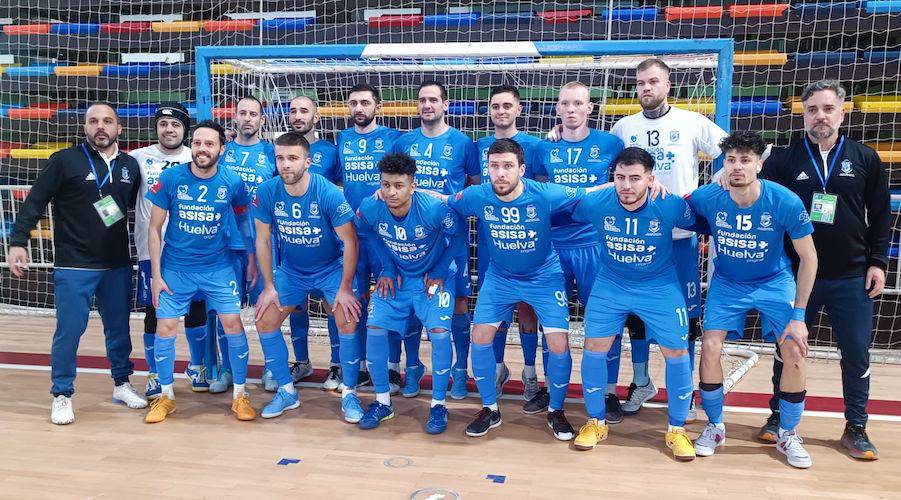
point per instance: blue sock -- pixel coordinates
(275, 353)
(196, 336)
(559, 369)
(377, 350)
(712, 402)
(790, 414)
(239, 354)
(500, 344)
(460, 333)
(594, 383)
(350, 359)
(691, 355)
(640, 355)
(300, 329)
(613, 357)
(149, 339)
(679, 389)
(361, 331)
(442, 357)
(411, 342)
(164, 352)
(545, 351)
(483, 370)
(394, 342)
(529, 343)
(334, 341)
(223, 345)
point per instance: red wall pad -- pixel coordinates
(564, 16)
(389, 20)
(762, 10)
(128, 27)
(26, 29)
(678, 13)
(31, 113)
(229, 25)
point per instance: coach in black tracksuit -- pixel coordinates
(845, 187)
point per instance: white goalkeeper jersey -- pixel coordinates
(152, 162)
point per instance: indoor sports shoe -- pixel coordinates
(61, 412)
(281, 402)
(857, 442)
(222, 383)
(769, 432)
(711, 438)
(680, 443)
(153, 388)
(301, 370)
(458, 385)
(333, 379)
(127, 395)
(243, 410)
(269, 383)
(393, 382)
(791, 445)
(530, 386)
(485, 420)
(614, 409)
(501, 377)
(159, 410)
(376, 414)
(198, 379)
(592, 433)
(412, 376)
(351, 408)
(692, 416)
(638, 396)
(364, 382)
(538, 403)
(437, 422)
(558, 423)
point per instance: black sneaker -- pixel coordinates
(485, 420)
(556, 420)
(857, 442)
(394, 382)
(538, 403)
(364, 380)
(614, 409)
(769, 433)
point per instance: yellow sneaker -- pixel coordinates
(159, 410)
(592, 433)
(241, 407)
(679, 442)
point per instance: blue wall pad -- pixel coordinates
(138, 111)
(452, 19)
(767, 107)
(642, 14)
(878, 56)
(128, 70)
(75, 29)
(811, 58)
(295, 23)
(20, 71)
(883, 7)
(461, 108)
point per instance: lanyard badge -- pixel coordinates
(824, 204)
(106, 206)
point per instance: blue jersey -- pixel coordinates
(200, 214)
(416, 244)
(358, 158)
(529, 145)
(255, 164)
(518, 232)
(577, 164)
(324, 160)
(637, 247)
(749, 241)
(304, 226)
(442, 163)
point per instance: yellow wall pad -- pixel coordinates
(176, 27)
(764, 58)
(890, 156)
(879, 106)
(388, 109)
(50, 145)
(798, 107)
(225, 69)
(81, 70)
(31, 154)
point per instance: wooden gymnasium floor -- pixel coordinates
(201, 451)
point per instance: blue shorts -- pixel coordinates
(685, 253)
(219, 288)
(239, 265)
(483, 260)
(499, 295)
(728, 305)
(143, 295)
(293, 289)
(392, 314)
(580, 267)
(368, 266)
(659, 305)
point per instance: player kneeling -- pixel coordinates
(636, 275)
(748, 223)
(309, 219)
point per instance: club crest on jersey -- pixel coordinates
(531, 212)
(722, 220)
(383, 229)
(489, 213)
(317, 157)
(555, 156)
(846, 169)
(610, 224)
(314, 209)
(279, 209)
(221, 194)
(766, 220)
(261, 159)
(595, 152)
(379, 145)
(653, 227)
(448, 221)
(674, 136)
(346, 149)
(448, 153)
(414, 150)
(125, 177)
(419, 232)
(183, 193)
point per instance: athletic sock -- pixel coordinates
(791, 406)
(196, 336)
(460, 324)
(529, 371)
(275, 353)
(361, 333)
(377, 349)
(350, 359)
(529, 343)
(334, 340)
(300, 330)
(384, 398)
(442, 357)
(483, 372)
(558, 372)
(239, 354)
(712, 402)
(614, 355)
(545, 353)
(594, 380)
(168, 391)
(222, 341)
(238, 391)
(412, 339)
(640, 354)
(149, 339)
(394, 342)
(289, 388)
(679, 390)
(164, 354)
(500, 344)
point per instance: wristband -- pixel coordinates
(798, 313)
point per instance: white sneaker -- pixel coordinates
(790, 444)
(61, 412)
(333, 380)
(301, 370)
(222, 383)
(530, 386)
(269, 383)
(710, 439)
(501, 377)
(692, 412)
(127, 395)
(638, 396)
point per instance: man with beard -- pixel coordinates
(303, 116)
(202, 199)
(311, 221)
(92, 186)
(852, 216)
(446, 161)
(172, 123)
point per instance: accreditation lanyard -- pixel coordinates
(816, 164)
(823, 205)
(97, 180)
(106, 206)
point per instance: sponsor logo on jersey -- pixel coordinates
(570, 191)
(674, 136)
(314, 210)
(489, 213)
(155, 188)
(183, 193)
(344, 208)
(383, 229)
(90, 177)
(279, 209)
(804, 217)
(256, 201)
(414, 150)
(230, 156)
(346, 149)
(721, 220)
(846, 169)
(448, 221)
(802, 176)
(555, 156)
(610, 224)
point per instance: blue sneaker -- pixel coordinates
(198, 379)
(376, 413)
(154, 389)
(412, 376)
(458, 386)
(282, 401)
(437, 420)
(350, 406)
